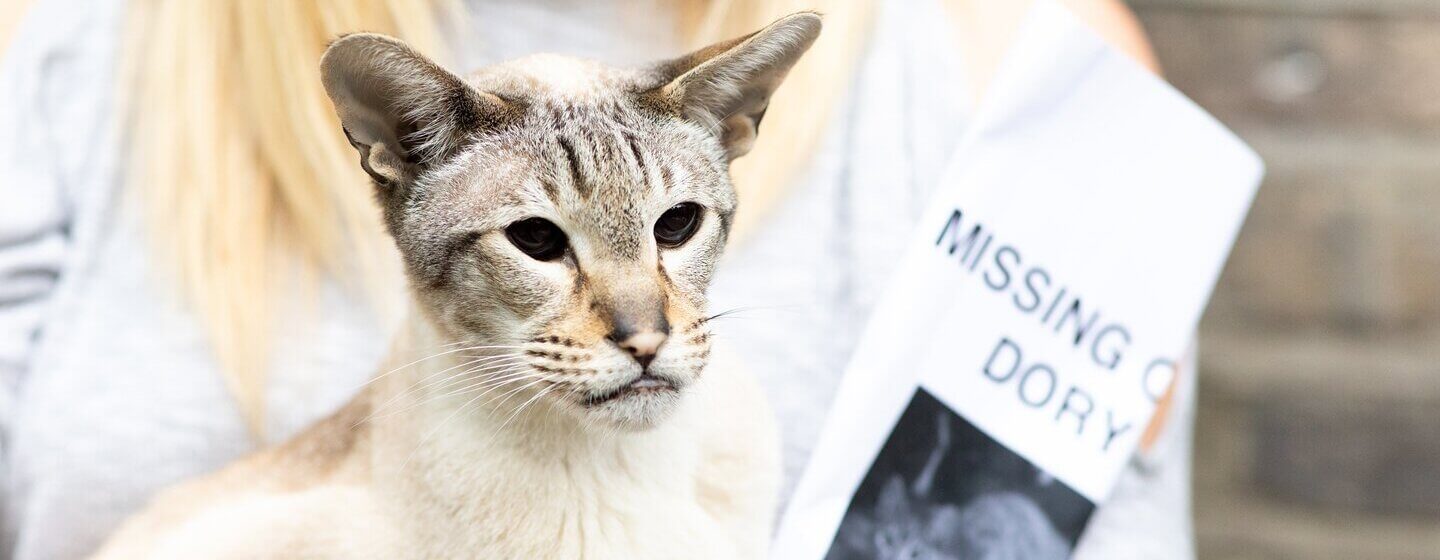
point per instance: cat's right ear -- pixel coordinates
(401, 111)
(726, 87)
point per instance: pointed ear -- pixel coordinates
(401, 111)
(727, 86)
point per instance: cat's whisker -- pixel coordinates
(510, 394)
(522, 407)
(507, 376)
(735, 312)
(452, 344)
(504, 378)
(471, 360)
(473, 345)
(377, 410)
(477, 366)
(428, 435)
(431, 357)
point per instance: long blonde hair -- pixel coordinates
(248, 182)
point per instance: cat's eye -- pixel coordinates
(677, 224)
(537, 237)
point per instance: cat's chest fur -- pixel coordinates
(698, 487)
(581, 516)
(549, 492)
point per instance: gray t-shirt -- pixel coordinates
(108, 391)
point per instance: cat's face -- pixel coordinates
(570, 213)
(585, 234)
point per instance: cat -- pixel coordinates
(559, 221)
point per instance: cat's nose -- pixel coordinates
(643, 344)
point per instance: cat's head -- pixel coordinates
(570, 211)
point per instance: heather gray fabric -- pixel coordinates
(807, 282)
(108, 392)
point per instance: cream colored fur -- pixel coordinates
(701, 485)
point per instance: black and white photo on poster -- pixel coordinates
(941, 489)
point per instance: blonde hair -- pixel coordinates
(802, 107)
(247, 180)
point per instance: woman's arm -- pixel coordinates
(985, 29)
(33, 212)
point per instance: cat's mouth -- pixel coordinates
(644, 384)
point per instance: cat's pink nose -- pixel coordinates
(642, 345)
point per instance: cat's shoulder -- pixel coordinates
(267, 495)
(327, 449)
(332, 521)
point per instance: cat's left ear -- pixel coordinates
(728, 85)
(401, 111)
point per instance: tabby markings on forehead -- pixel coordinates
(641, 165)
(577, 172)
(604, 152)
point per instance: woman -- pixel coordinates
(190, 267)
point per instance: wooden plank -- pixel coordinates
(1342, 236)
(1386, 8)
(1316, 71)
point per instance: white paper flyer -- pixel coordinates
(1009, 371)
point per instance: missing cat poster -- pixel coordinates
(1009, 371)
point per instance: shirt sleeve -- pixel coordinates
(1148, 512)
(34, 214)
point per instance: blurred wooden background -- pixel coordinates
(1319, 426)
